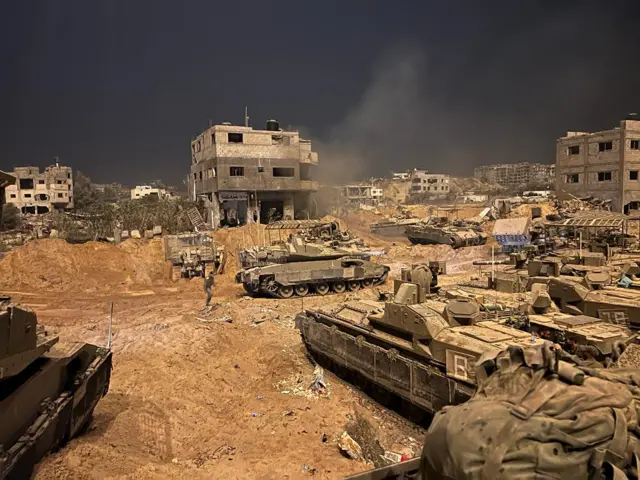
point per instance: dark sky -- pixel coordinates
(118, 88)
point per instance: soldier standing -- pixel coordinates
(208, 286)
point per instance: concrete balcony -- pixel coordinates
(311, 158)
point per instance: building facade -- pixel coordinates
(430, 184)
(514, 174)
(604, 164)
(141, 191)
(252, 175)
(36, 192)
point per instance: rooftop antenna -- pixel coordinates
(246, 116)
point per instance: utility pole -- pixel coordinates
(246, 116)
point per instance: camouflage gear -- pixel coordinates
(535, 417)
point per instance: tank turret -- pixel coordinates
(22, 341)
(48, 390)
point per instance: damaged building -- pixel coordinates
(431, 185)
(362, 194)
(515, 174)
(249, 175)
(604, 164)
(36, 192)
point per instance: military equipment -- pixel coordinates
(48, 389)
(190, 253)
(296, 249)
(393, 227)
(439, 231)
(535, 416)
(316, 277)
(614, 305)
(404, 347)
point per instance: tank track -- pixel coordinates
(311, 291)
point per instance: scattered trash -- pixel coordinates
(288, 413)
(257, 321)
(324, 438)
(318, 382)
(159, 326)
(254, 414)
(260, 397)
(349, 447)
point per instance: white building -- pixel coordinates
(148, 191)
(400, 176)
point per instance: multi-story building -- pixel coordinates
(605, 164)
(362, 194)
(248, 174)
(432, 184)
(141, 191)
(36, 193)
(514, 173)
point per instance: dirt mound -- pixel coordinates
(55, 265)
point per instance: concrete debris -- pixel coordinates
(157, 230)
(124, 234)
(135, 234)
(224, 319)
(318, 382)
(148, 234)
(349, 447)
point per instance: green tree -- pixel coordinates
(85, 194)
(10, 217)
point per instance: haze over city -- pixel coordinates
(118, 89)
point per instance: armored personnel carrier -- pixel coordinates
(434, 232)
(48, 390)
(409, 349)
(405, 348)
(190, 253)
(318, 277)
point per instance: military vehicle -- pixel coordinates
(296, 249)
(315, 277)
(404, 348)
(190, 253)
(48, 390)
(587, 296)
(439, 231)
(393, 227)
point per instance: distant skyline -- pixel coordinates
(118, 89)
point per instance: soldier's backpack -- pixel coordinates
(535, 417)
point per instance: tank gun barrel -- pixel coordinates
(491, 262)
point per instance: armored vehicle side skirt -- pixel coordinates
(59, 419)
(396, 370)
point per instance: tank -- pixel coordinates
(314, 277)
(192, 253)
(405, 348)
(48, 389)
(434, 232)
(296, 249)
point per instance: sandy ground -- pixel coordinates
(193, 396)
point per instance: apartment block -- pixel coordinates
(252, 175)
(36, 192)
(432, 184)
(514, 174)
(604, 164)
